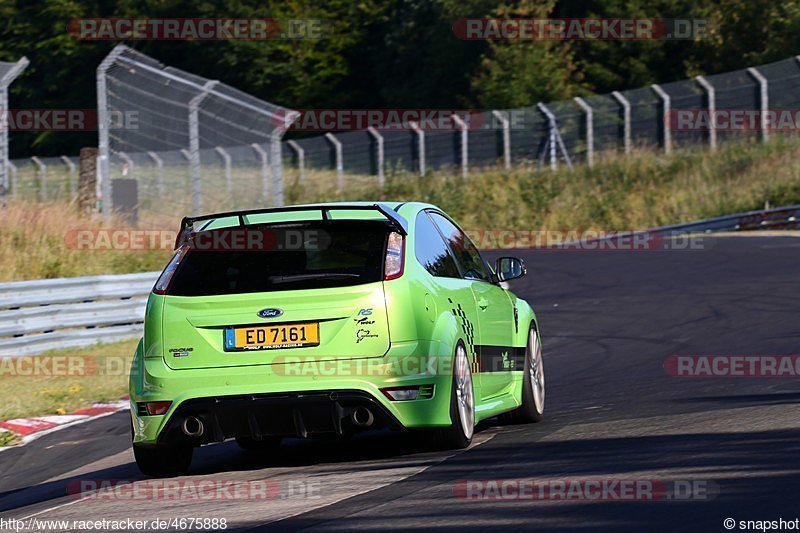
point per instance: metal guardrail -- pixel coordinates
(780, 218)
(41, 315)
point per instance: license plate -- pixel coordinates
(272, 337)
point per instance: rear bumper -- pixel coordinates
(261, 401)
(291, 414)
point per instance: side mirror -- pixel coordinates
(508, 268)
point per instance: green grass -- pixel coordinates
(26, 395)
(7, 438)
(642, 190)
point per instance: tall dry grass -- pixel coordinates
(35, 244)
(641, 190)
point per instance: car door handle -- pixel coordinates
(483, 303)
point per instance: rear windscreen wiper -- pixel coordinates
(304, 277)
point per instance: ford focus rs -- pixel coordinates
(326, 320)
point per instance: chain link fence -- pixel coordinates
(576, 130)
(8, 73)
(179, 143)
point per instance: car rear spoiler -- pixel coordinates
(396, 221)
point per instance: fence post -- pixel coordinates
(87, 180)
(5, 81)
(712, 110)
(464, 145)
(265, 171)
(159, 172)
(626, 117)
(128, 161)
(103, 146)
(337, 146)
(551, 133)
(589, 112)
(301, 159)
(763, 100)
(12, 178)
(276, 169)
(506, 138)
(379, 140)
(420, 145)
(554, 141)
(42, 177)
(72, 177)
(194, 145)
(226, 160)
(666, 106)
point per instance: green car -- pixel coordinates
(326, 320)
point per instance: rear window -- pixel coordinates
(307, 255)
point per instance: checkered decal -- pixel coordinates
(466, 327)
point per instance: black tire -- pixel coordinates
(163, 460)
(529, 412)
(252, 445)
(454, 437)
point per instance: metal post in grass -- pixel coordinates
(379, 155)
(226, 161)
(337, 148)
(12, 72)
(128, 161)
(276, 149)
(666, 109)
(551, 134)
(589, 114)
(12, 179)
(462, 126)
(712, 110)
(626, 120)
(87, 180)
(194, 145)
(301, 159)
(103, 145)
(265, 171)
(159, 172)
(555, 142)
(42, 173)
(763, 100)
(73, 175)
(506, 138)
(420, 145)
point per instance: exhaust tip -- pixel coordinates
(192, 427)
(362, 417)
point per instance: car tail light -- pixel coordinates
(157, 408)
(163, 280)
(399, 394)
(393, 268)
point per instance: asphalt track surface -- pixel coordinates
(609, 321)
